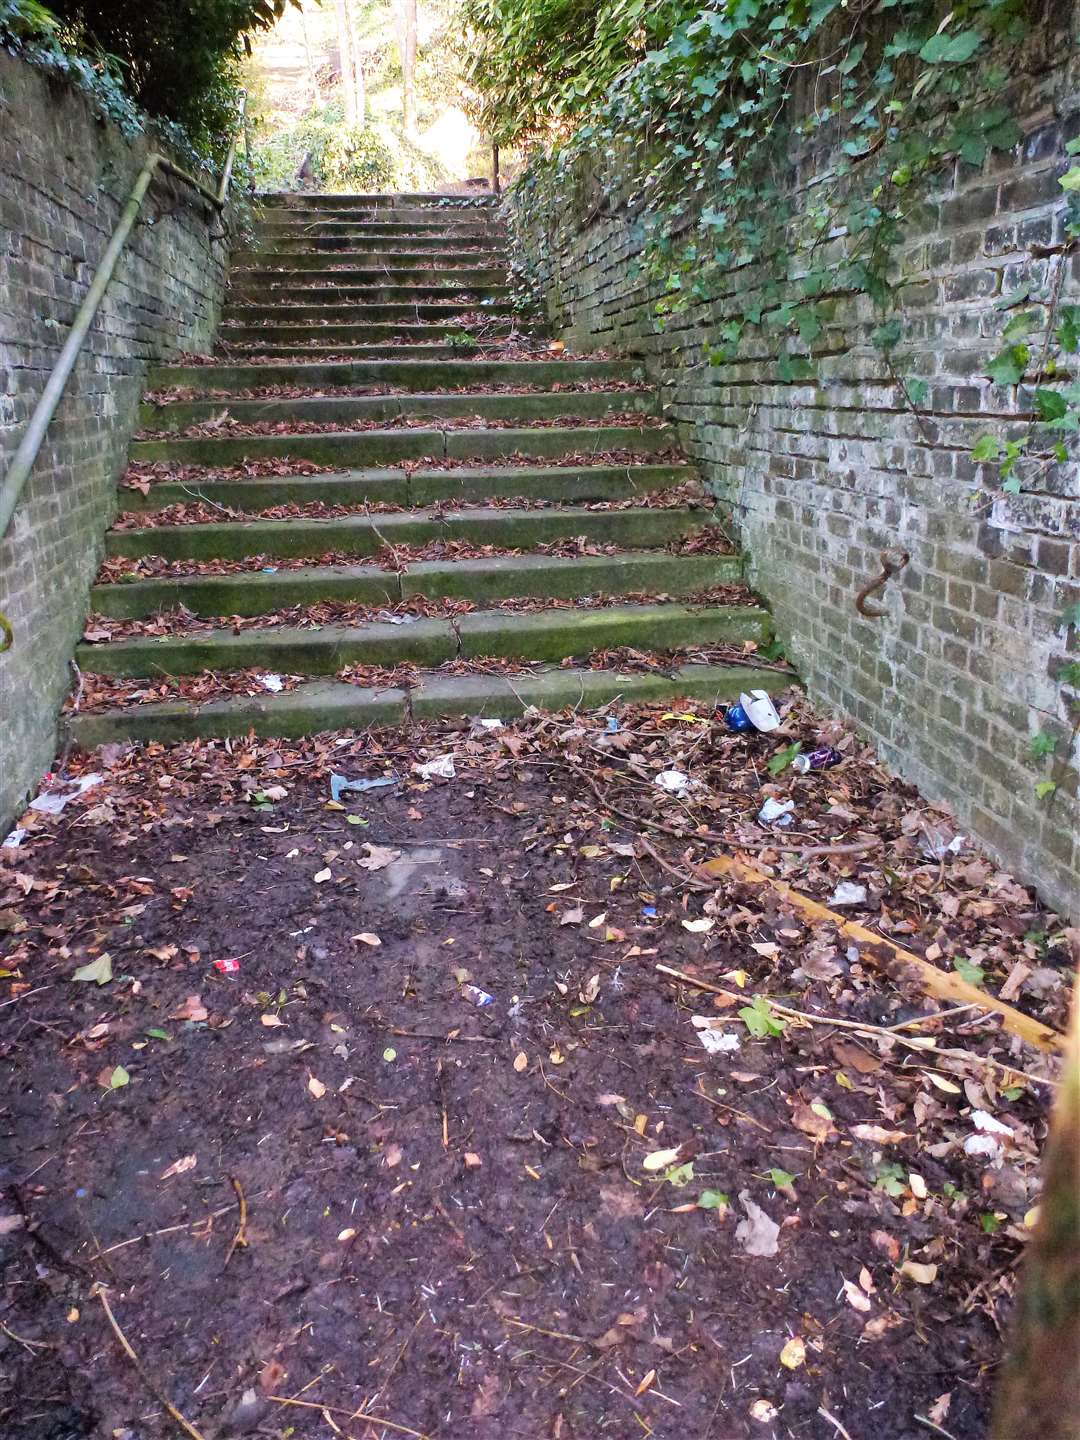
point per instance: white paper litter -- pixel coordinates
(848, 893)
(273, 683)
(54, 802)
(443, 768)
(14, 838)
(715, 1040)
(675, 782)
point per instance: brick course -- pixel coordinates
(64, 177)
(819, 477)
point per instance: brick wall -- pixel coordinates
(820, 477)
(64, 177)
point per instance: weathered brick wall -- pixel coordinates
(64, 177)
(820, 477)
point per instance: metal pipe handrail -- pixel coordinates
(22, 462)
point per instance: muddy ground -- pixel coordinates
(324, 1188)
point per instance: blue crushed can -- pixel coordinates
(737, 719)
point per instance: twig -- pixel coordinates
(240, 1238)
(155, 1390)
(922, 1044)
(351, 1415)
(551, 1334)
(840, 1430)
(932, 1425)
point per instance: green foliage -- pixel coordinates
(969, 971)
(779, 762)
(175, 60)
(761, 1020)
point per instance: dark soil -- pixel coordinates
(449, 1225)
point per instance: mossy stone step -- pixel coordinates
(421, 375)
(323, 705)
(401, 216)
(565, 484)
(317, 354)
(450, 201)
(341, 409)
(378, 447)
(358, 333)
(544, 635)
(404, 285)
(360, 312)
(246, 301)
(485, 582)
(638, 529)
(383, 261)
(461, 248)
(452, 227)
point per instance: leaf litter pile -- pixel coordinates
(481, 1103)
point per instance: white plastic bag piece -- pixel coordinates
(760, 710)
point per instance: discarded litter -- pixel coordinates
(824, 758)
(737, 719)
(55, 801)
(612, 725)
(715, 1040)
(273, 683)
(227, 967)
(937, 841)
(848, 893)
(780, 813)
(390, 619)
(14, 838)
(479, 997)
(760, 710)
(339, 785)
(442, 768)
(675, 782)
(482, 723)
(269, 569)
(648, 912)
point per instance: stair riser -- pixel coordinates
(547, 637)
(381, 261)
(564, 486)
(399, 215)
(421, 375)
(588, 404)
(480, 202)
(462, 249)
(361, 536)
(387, 231)
(361, 312)
(325, 353)
(264, 294)
(353, 334)
(400, 285)
(484, 582)
(380, 447)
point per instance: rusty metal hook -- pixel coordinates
(891, 564)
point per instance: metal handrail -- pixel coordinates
(22, 462)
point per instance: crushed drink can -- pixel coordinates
(479, 997)
(737, 719)
(823, 758)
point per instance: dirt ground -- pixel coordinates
(253, 1110)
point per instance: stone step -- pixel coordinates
(543, 635)
(562, 484)
(421, 375)
(395, 284)
(428, 350)
(462, 249)
(365, 223)
(238, 313)
(485, 582)
(357, 334)
(322, 705)
(343, 409)
(635, 529)
(398, 259)
(378, 199)
(379, 447)
(337, 293)
(420, 217)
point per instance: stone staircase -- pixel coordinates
(387, 496)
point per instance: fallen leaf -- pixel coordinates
(856, 1298)
(316, 1087)
(321, 875)
(521, 1061)
(99, 970)
(378, 856)
(118, 1078)
(472, 1160)
(921, 1274)
(392, 1156)
(813, 1120)
(886, 1243)
(367, 938)
(917, 1185)
(764, 1411)
(757, 1234)
(660, 1159)
(179, 1167)
(698, 927)
(794, 1353)
(878, 1135)
(192, 1009)
(271, 1021)
(348, 1234)
(10, 1223)
(647, 1380)
(488, 1398)
(939, 1410)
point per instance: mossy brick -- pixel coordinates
(501, 697)
(309, 709)
(318, 651)
(559, 634)
(423, 375)
(343, 409)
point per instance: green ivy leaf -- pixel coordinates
(1007, 367)
(760, 1019)
(884, 337)
(946, 49)
(782, 759)
(1011, 486)
(1042, 744)
(781, 1178)
(917, 389)
(713, 1200)
(973, 974)
(987, 447)
(1071, 179)
(1051, 404)
(1045, 788)
(1021, 325)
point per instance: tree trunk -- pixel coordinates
(313, 75)
(406, 28)
(1040, 1380)
(355, 64)
(345, 60)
